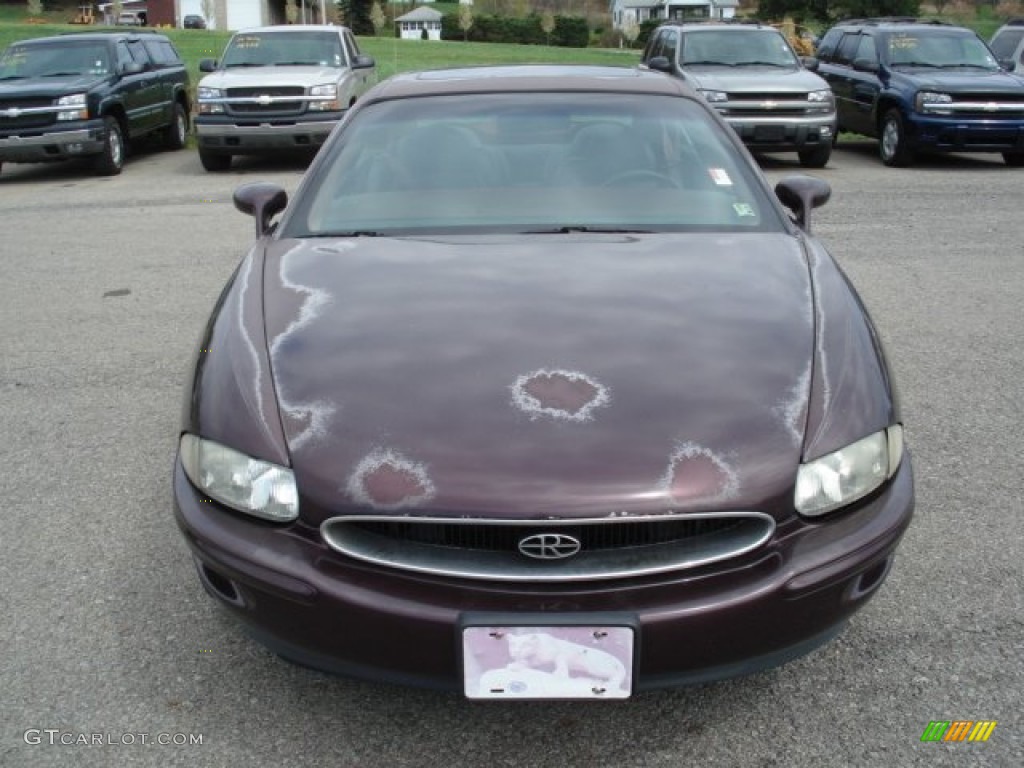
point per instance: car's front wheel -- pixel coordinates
(214, 161)
(176, 133)
(892, 144)
(1014, 159)
(111, 160)
(815, 158)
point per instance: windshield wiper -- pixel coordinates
(569, 229)
(61, 74)
(963, 65)
(761, 64)
(916, 64)
(245, 64)
(351, 233)
(13, 77)
(705, 63)
(297, 64)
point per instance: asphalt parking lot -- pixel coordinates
(106, 283)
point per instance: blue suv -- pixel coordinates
(922, 86)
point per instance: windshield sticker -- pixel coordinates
(247, 42)
(744, 209)
(902, 43)
(720, 177)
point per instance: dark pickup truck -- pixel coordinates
(87, 95)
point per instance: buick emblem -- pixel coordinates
(549, 546)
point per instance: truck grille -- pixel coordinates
(20, 121)
(266, 101)
(609, 547)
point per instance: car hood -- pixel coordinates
(763, 80)
(962, 81)
(547, 375)
(269, 77)
(47, 87)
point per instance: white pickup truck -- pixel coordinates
(278, 88)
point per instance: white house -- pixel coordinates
(412, 24)
(240, 14)
(642, 10)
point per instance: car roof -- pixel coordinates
(91, 36)
(717, 25)
(522, 78)
(291, 28)
(898, 22)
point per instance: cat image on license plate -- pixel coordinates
(548, 662)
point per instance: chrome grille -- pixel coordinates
(610, 547)
(32, 113)
(247, 101)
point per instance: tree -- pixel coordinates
(378, 18)
(357, 15)
(465, 20)
(827, 10)
(35, 8)
(547, 23)
(209, 11)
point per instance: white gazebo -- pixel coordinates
(412, 24)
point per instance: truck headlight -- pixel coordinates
(206, 97)
(715, 97)
(79, 107)
(821, 101)
(932, 101)
(327, 100)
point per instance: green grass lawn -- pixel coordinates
(392, 55)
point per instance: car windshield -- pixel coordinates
(64, 60)
(275, 49)
(935, 50)
(737, 47)
(531, 163)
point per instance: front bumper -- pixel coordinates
(321, 609)
(80, 140)
(228, 135)
(783, 133)
(960, 134)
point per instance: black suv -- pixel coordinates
(86, 95)
(922, 86)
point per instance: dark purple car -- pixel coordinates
(536, 390)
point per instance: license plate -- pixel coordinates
(542, 662)
(769, 132)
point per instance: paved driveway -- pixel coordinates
(108, 636)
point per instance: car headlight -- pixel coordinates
(206, 98)
(329, 94)
(80, 109)
(842, 477)
(932, 101)
(822, 101)
(715, 97)
(249, 485)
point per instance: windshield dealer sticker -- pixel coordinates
(720, 177)
(744, 209)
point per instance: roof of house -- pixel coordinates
(421, 14)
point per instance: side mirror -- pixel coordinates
(1006, 64)
(802, 193)
(362, 61)
(660, 64)
(865, 65)
(810, 63)
(262, 201)
(207, 65)
(132, 68)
